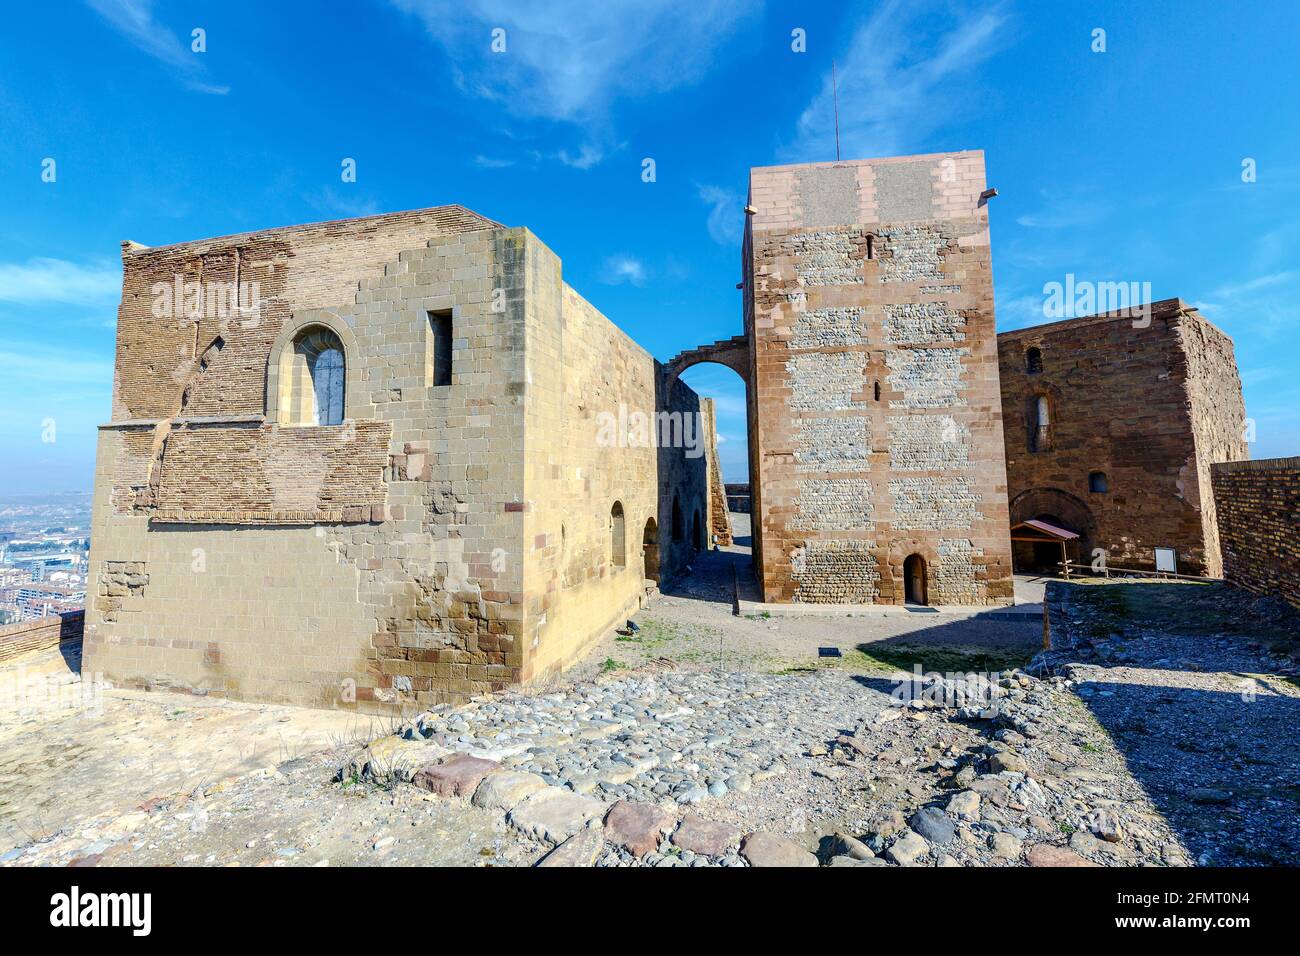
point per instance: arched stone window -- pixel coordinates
(617, 537)
(1097, 482)
(1033, 360)
(311, 377)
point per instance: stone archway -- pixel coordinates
(1058, 508)
(732, 352)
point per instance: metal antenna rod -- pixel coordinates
(835, 98)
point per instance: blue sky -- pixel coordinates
(1122, 165)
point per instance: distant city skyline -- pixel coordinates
(1114, 161)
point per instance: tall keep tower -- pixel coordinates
(876, 447)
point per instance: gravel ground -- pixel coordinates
(1196, 684)
(1148, 735)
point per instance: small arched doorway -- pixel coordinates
(914, 582)
(650, 550)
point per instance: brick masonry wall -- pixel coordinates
(41, 634)
(381, 564)
(1149, 405)
(1259, 524)
(875, 419)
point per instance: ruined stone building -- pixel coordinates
(870, 359)
(359, 463)
(1112, 422)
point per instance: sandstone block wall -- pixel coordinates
(384, 563)
(583, 373)
(1258, 510)
(1149, 405)
(875, 418)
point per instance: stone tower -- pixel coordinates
(876, 447)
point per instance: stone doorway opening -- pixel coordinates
(650, 550)
(914, 580)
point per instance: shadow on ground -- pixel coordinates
(1221, 767)
(1195, 683)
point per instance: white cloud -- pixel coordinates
(905, 74)
(1253, 285)
(588, 155)
(1019, 311)
(570, 60)
(619, 269)
(1264, 304)
(1257, 376)
(134, 20)
(331, 202)
(56, 280)
(1065, 212)
(726, 215)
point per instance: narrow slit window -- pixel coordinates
(438, 353)
(1041, 435)
(617, 541)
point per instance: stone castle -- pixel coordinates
(397, 461)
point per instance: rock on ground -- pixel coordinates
(554, 814)
(581, 849)
(699, 835)
(457, 776)
(640, 827)
(766, 849)
(908, 849)
(505, 789)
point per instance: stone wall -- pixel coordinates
(42, 634)
(875, 419)
(738, 497)
(719, 515)
(1258, 513)
(1148, 403)
(584, 374)
(390, 562)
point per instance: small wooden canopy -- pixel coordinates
(1043, 533)
(1035, 530)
